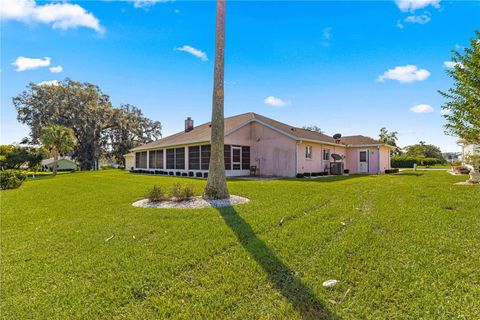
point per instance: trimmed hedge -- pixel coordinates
(408, 162)
(389, 171)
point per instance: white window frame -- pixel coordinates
(326, 151)
(308, 152)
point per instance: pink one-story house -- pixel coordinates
(260, 145)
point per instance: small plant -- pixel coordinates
(199, 175)
(182, 192)
(299, 175)
(346, 171)
(307, 174)
(155, 194)
(11, 179)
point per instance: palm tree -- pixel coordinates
(57, 140)
(216, 187)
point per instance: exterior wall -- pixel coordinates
(272, 152)
(129, 162)
(378, 159)
(316, 164)
(384, 159)
(242, 136)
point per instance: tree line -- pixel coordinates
(100, 130)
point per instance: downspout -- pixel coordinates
(296, 156)
(378, 156)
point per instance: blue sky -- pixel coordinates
(315, 62)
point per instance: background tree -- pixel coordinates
(463, 99)
(313, 128)
(58, 140)
(130, 129)
(15, 157)
(423, 150)
(100, 129)
(216, 187)
(390, 138)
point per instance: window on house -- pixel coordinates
(326, 154)
(194, 158)
(308, 152)
(155, 159)
(228, 156)
(170, 158)
(159, 160)
(205, 157)
(180, 158)
(141, 160)
(246, 158)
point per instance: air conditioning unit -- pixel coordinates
(336, 168)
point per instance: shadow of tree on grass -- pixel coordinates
(283, 279)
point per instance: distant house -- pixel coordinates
(254, 143)
(64, 163)
(468, 150)
(451, 157)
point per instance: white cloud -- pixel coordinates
(145, 3)
(58, 15)
(420, 19)
(49, 83)
(451, 64)
(56, 69)
(197, 53)
(405, 74)
(422, 108)
(400, 24)
(275, 102)
(412, 5)
(23, 63)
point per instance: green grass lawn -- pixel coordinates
(408, 248)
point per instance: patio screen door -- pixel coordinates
(236, 158)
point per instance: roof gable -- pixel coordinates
(202, 133)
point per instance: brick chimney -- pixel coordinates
(188, 124)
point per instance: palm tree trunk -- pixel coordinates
(55, 163)
(216, 187)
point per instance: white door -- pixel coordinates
(363, 161)
(236, 158)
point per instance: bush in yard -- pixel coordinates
(11, 179)
(182, 192)
(389, 171)
(404, 162)
(300, 175)
(155, 194)
(429, 162)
